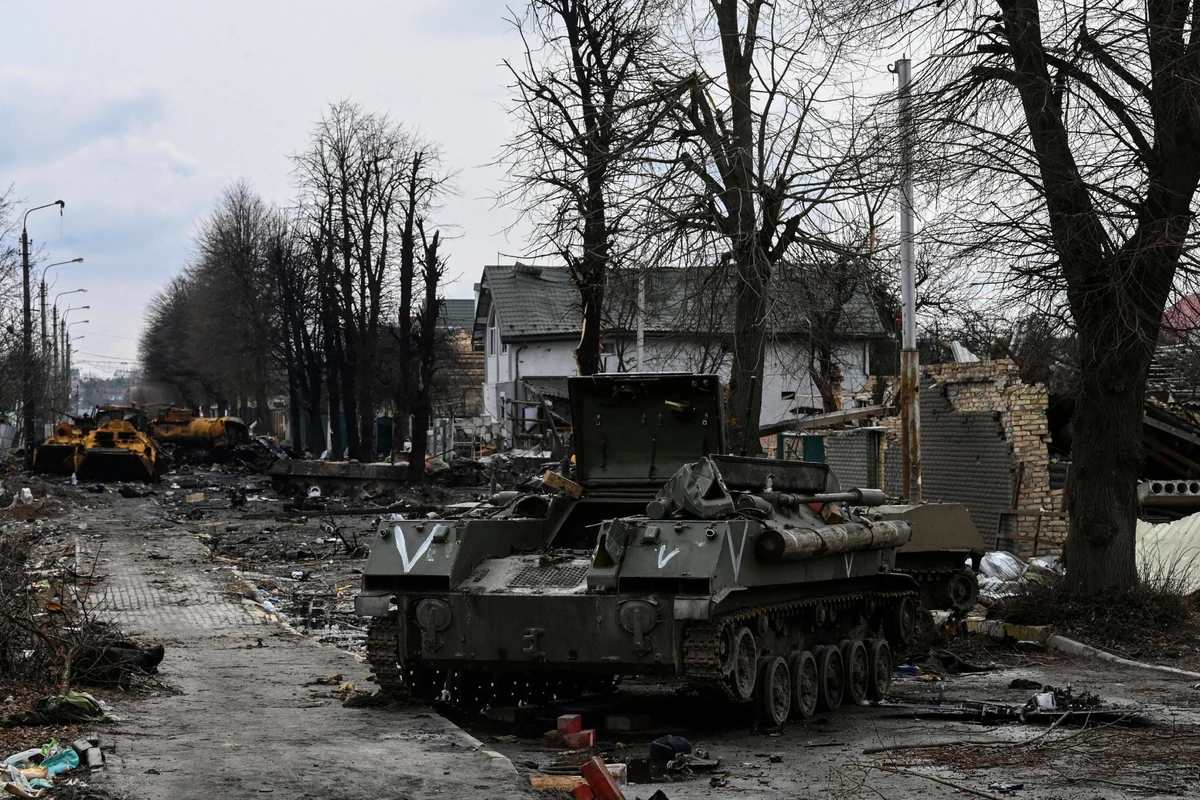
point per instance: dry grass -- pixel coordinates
(1156, 619)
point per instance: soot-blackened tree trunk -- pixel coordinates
(1117, 298)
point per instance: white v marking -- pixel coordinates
(402, 546)
(849, 559)
(737, 559)
(664, 556)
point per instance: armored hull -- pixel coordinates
(57, 454)
(756, 580)
(942, 556)
(179, 427)
(117, 451)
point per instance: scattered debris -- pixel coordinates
(349, 478)
(1051, 706)
(1006, 787)
(59, 709)
(666, 748)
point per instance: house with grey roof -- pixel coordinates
(527, 324)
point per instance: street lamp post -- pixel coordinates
(42, 295)
(58, 364)
(27, 336)
(54, 321)
(67, 347)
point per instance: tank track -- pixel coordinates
(702, 662)
(383, 649)
(930, 580)
(465, 688)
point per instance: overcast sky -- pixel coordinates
(136, 114)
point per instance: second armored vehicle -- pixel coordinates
(756, 580)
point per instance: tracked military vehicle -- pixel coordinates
(756, 580)
(942, 556)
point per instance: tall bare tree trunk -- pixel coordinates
(1103, 503)
(749, 351)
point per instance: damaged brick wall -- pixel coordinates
(854, 457)
(979, 421)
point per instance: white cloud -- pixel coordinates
(137, 113)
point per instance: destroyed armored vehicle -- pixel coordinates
(109, 445)
(180, 427)
(58, 453)
(942, 556)
(118, 448)
(754, 579)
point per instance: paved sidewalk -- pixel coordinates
(245, 726)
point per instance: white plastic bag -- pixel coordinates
(1004, 566)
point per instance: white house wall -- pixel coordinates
(785, 371)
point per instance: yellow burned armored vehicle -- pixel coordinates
(118, 449)
(179, 426)
(758, 581)
(59, 452)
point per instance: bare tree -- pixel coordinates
(1067, 135)
(10, 307)
(585, 102)
(752, 164)
(353, 173)
(233, 311)
(433, 269)
(424, 184)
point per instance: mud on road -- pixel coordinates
(254, 604)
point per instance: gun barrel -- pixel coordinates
(859, 497)
(793, 544)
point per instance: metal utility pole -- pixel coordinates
(42, 297)
(910, 363)
(641, 319)
(27, 402)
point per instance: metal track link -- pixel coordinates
(383, 651)
(701, 644)
(932, 577)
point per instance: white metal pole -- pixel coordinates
(910, 372)
(641, 318)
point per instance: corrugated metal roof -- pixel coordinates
(1170, 550)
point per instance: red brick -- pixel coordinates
(570, 723)
(601, 781)
(580, 739)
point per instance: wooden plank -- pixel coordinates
(822, 420)
(1179, 433)
(561, 783)
(553, 480)
(1164, 454)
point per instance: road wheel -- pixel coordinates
(803, 668)
(774, 692)
(964, 590)
(879, 681)
(745, 665)
(901, 621)
(854, 661)
(830, 678)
